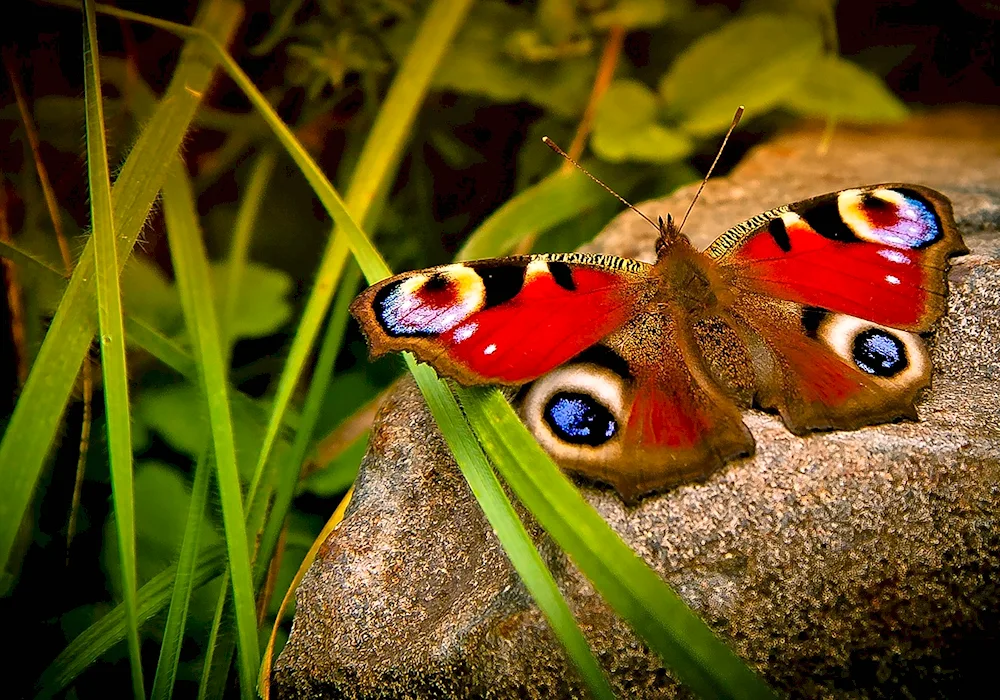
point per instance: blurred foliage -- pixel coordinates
(516, 71)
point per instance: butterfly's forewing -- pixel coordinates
(876, 252)
(505, 320)
(828, 295)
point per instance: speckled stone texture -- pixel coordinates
(846, 564)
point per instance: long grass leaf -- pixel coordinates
(264, 681)
(184, 580)
(34, 423)
(372, 175)
(101, 636)
(187, 251)
(691, 650)
(112, 332)
(508, 527)
(239, 249)
(218, 651)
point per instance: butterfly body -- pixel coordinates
(634, 374)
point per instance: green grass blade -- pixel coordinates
(691, 650)
(508, 527)
(44, 397)
(239, 250)
(184, 581)
(101, 636)
(187, 251)
(373, 173)
(557, 198)
(288, 474)
(112, 332)
(218, 652)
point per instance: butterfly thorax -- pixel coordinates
(689, 280)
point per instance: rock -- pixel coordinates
(859, 563)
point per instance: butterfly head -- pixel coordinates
(670, 236)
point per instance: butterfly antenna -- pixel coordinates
(732, 127)
(551, 144)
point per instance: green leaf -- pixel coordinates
(840, 89)
(561, 196)
(632, 14)
(557, 20)
(177, 414)
(259, 308)
(626, 128)
(755, 61)
(149, 295)
(261, 305)
(479, 63)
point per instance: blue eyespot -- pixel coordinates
(579, 419)
(880, 353)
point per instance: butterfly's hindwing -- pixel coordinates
(826, 370)
(639, 411)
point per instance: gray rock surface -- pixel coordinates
(848, 564)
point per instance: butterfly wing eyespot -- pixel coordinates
(576, 412)
(425, 305)
(893, 357)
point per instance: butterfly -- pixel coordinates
(634, 374)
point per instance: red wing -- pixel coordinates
(876, 253)
(638, 411)
(503, 321)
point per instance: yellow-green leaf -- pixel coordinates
(626, 127)
(835, 87)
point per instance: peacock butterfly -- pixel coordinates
(633, 374)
